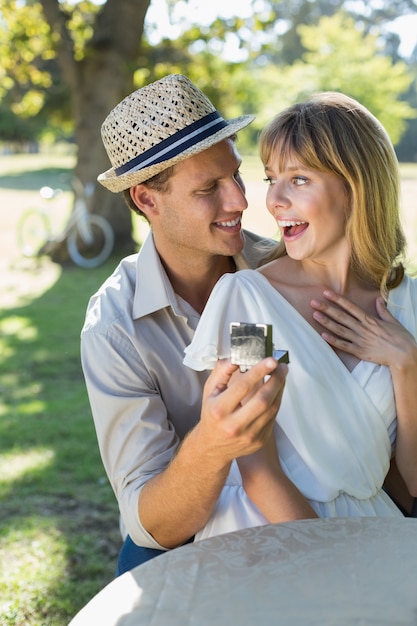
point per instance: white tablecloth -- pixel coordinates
(327, 572)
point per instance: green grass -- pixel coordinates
(58, 519)
(59, 534)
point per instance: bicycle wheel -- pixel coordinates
(33, 230)
(94, 253)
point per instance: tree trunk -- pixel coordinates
(98, 82)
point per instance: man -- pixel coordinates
(167, 447)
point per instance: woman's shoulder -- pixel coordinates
(242, 276)
(403, 299)
(408, 284)
(243, 281)
(279, 271)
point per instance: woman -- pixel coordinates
(341, 303)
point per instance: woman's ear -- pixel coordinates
(145, 199)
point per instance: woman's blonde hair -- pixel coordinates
(332, 132)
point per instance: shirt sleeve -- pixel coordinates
(135, 437)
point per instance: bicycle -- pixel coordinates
(89, 237)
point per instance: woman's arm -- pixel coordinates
(269, 488)
(396, 488)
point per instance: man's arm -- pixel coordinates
(134, 433)
(177, 503)
(167, 491)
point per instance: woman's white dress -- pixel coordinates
(335, 429)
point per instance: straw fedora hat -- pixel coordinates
(158, 126)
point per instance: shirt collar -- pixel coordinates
(153, 290)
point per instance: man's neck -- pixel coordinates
(195, 285)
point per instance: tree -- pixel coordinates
(87, 56)
(101, 57)
(96, 48)
(282, 42)
(341, 57)
(347, 59)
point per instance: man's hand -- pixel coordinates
(239, 409)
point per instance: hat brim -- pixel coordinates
(115, 183)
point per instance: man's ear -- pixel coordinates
(145, 199)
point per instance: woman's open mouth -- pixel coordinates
(291, 228)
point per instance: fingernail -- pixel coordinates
(270, 362)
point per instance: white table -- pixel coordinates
(333, 572)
